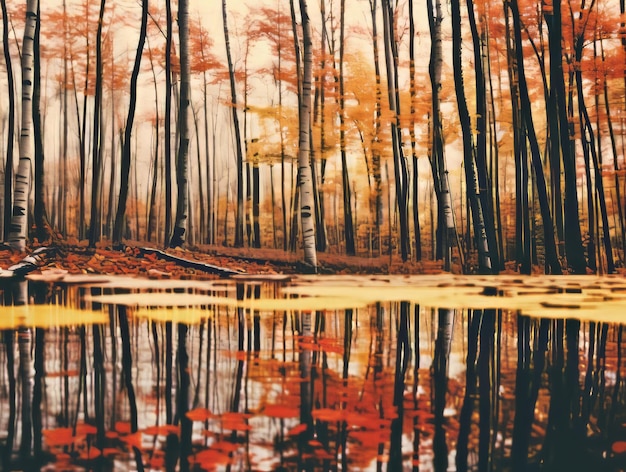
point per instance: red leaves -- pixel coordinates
(199, 414)
(281, 411)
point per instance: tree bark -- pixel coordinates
(95, 222)
(182, 200)
(8, 166)
(18, 229)
(239, 156)
(307, 202)
(125, 159)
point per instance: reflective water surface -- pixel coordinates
(317, 373)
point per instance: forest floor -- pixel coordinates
(76, 257)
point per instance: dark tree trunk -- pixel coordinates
(126, 152)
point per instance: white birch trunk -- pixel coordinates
(307, 201)
(19, 221)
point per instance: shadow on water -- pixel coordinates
(252, 374)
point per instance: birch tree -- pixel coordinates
(305, 182)
(19, 221)
(182, 160)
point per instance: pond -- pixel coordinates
(388, 373)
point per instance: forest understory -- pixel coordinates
(137, 258)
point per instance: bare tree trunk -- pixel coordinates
(182, 201)
(307, 202)
(18, 229)
(8, 166)
(96, 154)
(345, 179)
(239, 155)
(400, 170)
(168, 125)
(152, 206)
(125, 160)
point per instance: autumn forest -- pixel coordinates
(485, 135)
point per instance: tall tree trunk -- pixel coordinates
(167, 155)
(18, 229)
(345, 179)
(95, 223)
(552, 262)
(42, 224)
(471, 179)
(307, 202)
(445, 234)
(182, 201)
(126, 152)
(152, 204)
(400, 170)
(413, 96)
(8, 166)
(239, 152)
(561, 142)
(375, 144)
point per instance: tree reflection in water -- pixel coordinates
(393, 386)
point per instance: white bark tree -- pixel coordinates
(19, 222)
(307, 201)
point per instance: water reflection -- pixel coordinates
(222, 383)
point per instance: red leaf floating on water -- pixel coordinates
(225, 446)
(122, 427)
(59, 437)
(235, 421)
(619, 447)
(209, 458)
(199, 414)
(133, 440)
(296, 430)
(84, 429)
(328, 414)
(110, 451)
(281, 411)
(162, 430)
(91, 453)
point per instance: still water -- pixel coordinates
(315, 373)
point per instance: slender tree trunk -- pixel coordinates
(8, 166)
(152, 204)
(179, 234)
(95, 220)
(552, 262)
(413, 95)
(375, 144)
(562, 142)
(126, 152)
(168, 124)
(347, 204)
(239, 152)
(471, 179)
(18, 229)
(307, 202)
(42, 224)
(445, 233)
(400, 170)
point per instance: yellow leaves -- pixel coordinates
(45, 316)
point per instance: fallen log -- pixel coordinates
(28, 264)
(204, 267)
